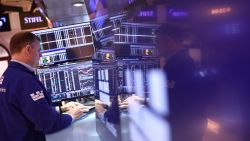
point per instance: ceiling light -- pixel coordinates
(78, 4)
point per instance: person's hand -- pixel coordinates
(125, 103)
(122, 104)
(70, 105)
(99, 106)
(66, 107)
(84, 108)
(133, 98)
(75, 113)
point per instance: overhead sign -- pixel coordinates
(220, 11)
(177, 14)
(32, 20)
(4, 22)
(148, 14)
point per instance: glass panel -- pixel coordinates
(3, 67)
(3, 53)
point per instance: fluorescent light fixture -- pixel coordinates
(78, 4)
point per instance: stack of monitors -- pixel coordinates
(65, 43)
(132, 66)
(105, 72)
(68, 80)
(112, 90)
(105, 79)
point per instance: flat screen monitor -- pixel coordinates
(65, 43)
(68, 81)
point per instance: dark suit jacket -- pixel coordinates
(187, 106)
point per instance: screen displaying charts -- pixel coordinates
(136, 33)
(68, 81)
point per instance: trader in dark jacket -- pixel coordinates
(26, 113)
(187, 107)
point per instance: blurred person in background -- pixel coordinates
(187, 106)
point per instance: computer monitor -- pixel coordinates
(126, 68)
(135, 39)
(136, 33)
(68, 80)
(65, 43)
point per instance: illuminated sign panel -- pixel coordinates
(177, 14)
(30, 21)
(4, 23)
(220, 11)
(148, 14)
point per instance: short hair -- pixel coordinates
(172, 31)
(20, 39)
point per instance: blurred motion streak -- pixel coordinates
(219, 11)
(213, 126)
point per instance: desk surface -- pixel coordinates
(81, 130)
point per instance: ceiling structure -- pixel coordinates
(64, 11)
(15, 5)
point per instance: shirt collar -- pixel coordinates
(24, 64)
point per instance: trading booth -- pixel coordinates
(105, 55)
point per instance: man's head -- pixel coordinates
(169, 40)
(25, 47)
